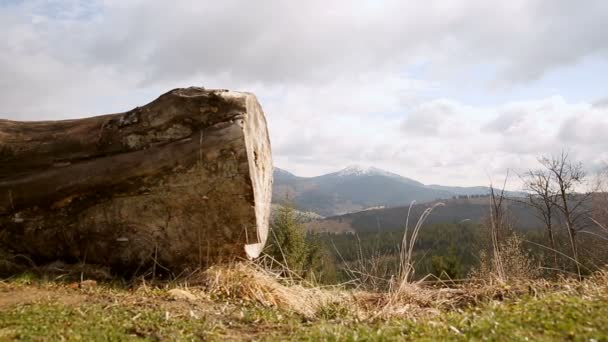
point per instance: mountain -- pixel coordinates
(356, 188)
(458, 210)
(283, 175)
(463, 191)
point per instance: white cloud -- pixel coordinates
(601, 103)
(586, 127)
(426, 119)
(338, 80)
(508, 136)
(510, 120)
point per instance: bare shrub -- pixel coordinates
(515, 263)
(505, 259)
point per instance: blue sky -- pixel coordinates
(448, 92)
(581, 82)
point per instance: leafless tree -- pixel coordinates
(600, 201)
(542, 197)
(569, 177)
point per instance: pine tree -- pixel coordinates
(288, 239)
(304, 254)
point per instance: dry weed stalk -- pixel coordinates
(404, 293)
(406, 267)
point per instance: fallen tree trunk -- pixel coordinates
(181, 182)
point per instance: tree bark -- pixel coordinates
(179, 183)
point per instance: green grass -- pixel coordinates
(95, 323)
(114, 314)
(555, 317)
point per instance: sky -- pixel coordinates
(444, 92)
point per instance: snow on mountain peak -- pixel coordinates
(356, 170)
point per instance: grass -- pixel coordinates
(551, 318)
(52, 321)
(34, 309)
(548, 319)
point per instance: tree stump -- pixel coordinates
(181, 182)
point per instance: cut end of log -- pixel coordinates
(182, 181)
(260, 168)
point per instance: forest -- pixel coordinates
(568, 238)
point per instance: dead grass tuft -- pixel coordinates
(247, 282)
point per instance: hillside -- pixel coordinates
(355, 188)
(393, 219)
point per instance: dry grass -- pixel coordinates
(246, 282)
(372, 272)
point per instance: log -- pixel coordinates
(181, 182)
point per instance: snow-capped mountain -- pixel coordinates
(359, 171)
(357, 188)
(349, 190)
(356, 170)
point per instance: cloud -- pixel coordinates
(278, 42)
(509, 136)
(601, 103)
(586, 127)
(426, 119)
(340, 81)
(507, 121)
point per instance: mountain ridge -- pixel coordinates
(357, 188)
